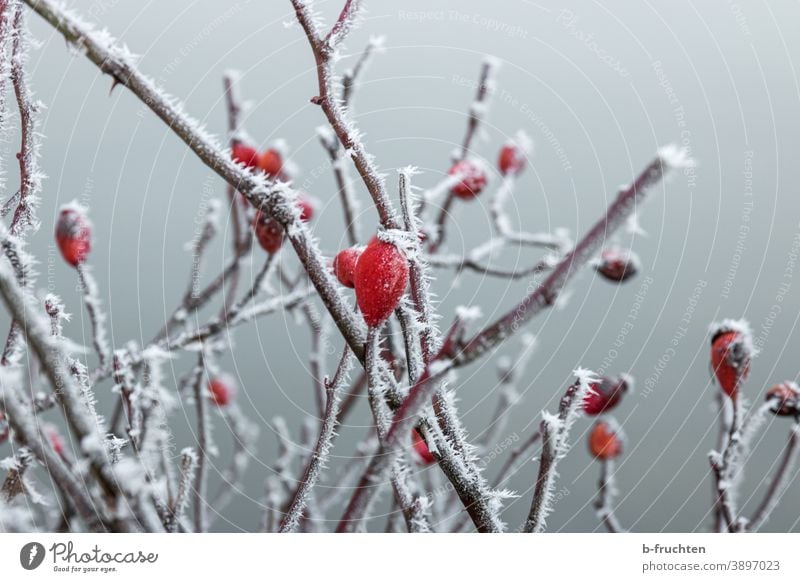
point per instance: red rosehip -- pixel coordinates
(344, 266)
(269, 232)
(73, 234)
(424, 454)
(222, 391)
(54, 437)
(511, 160)
(306, 208)
(605, 440)
(785, 399)
(617, 265)
(473, 179)
(606, 394)
(244, 154)
(271, 162)
(381, 278)
(731, 352)
(3, 428)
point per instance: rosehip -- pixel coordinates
(3, 428)
(605, 440)
(511, 159)
(271, 162)
(606, 394)
(381, 278)
(617, 265)
(73, 234)
(424, 454)
(269, 232)
(306, 208)
(54, 437)
(473, 179)
(785, 398)
(344, 266)
(222, 391)
(731, 352)
(244, 154)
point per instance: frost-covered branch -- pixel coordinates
(319, 456)
(555, 432)
(201, 473)
(544, 296)
(778, 483)
(604, 503)
(276, 199)
(97, 318)
(345, 131)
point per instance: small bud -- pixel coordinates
(271, 162)
(785, 399)
(269, 232)
(731, 353)
(73, 234)
(423, 453)
(473, 179)
(222, 390)
(380, 280)
(617, 265)
(606, 394)
(606, 440)
(344, 266)
(244, 154)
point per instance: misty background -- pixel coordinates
(599, 86)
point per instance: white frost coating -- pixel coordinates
(676, 157)
(468, 315)
(740, 326)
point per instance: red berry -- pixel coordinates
(54, 437)
(271, 162)
(269, 232)
(424, 454)
(344, 266)
(606, 394)
(785, 398)
(511, 159)
(605, 440)
(73, 234)
(3, 428)
(306, 208)
(473, 179)
(617, 265)
(731, 352)
(381, 278)
(244, 154)
(222, 391)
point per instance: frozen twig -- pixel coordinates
(276, 199)
(201, 406)
(477, 110)
(778, 483)
(23, 423)
(604, 503)
(319, 456)
(348, 135)
(545, 294)
(555, 432)
(189, 462)
(97, 319)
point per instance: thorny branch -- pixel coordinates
(406, 390)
